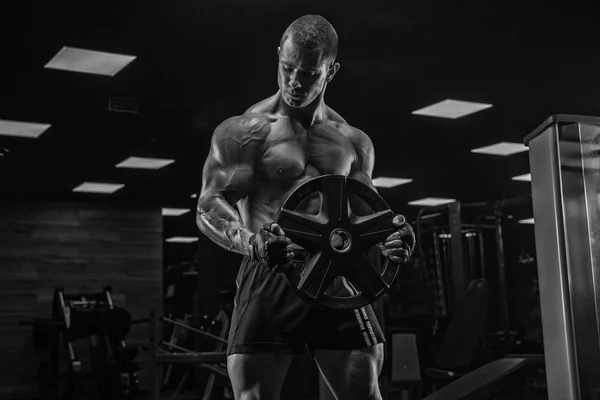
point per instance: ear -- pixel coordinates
(333, 69)
(278, 50)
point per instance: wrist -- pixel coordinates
(245, 236)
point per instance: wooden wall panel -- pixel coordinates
(81, 247)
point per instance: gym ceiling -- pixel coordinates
(191, 64)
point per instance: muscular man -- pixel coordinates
(255, 161)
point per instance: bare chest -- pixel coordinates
(293, 152)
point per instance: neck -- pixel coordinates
(307, 116)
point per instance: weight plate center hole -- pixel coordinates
(340, 240)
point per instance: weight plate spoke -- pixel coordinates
(316, 276)
(366, 277)
(374, 228)
(300, 228)
(335, 198)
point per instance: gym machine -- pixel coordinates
(180, 283)
(107, 371)
(565, 171)
(165, 355)
(462, 247)
(467, 244)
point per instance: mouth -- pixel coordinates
(294, 96)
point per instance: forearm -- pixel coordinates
(222, 224)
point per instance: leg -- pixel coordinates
(347, 346)
(267, 329)
(258, 376)
(352, 374)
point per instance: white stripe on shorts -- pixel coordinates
(359, 317)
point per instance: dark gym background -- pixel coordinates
(199, 62)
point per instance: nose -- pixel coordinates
(294, 82)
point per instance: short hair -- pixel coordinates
(313, 33)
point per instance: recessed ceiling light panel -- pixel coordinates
(451, 109)
(431, 201)
(523, 178)
(385, 182)
(174, 212)
(144, 163)
(89, 61)
(527, 221)
(96, 187)
(22, 129)
(501, 149)
(181, 239)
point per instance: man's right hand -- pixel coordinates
(270, 246)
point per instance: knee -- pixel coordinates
(255, 395)
(362, 380)
(362, 390)
(248, 395)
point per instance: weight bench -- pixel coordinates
(486, 381)
(481, 384)
(214, 361)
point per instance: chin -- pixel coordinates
(295, 103)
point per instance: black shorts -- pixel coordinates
(269, 317)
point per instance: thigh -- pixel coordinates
(268, 317)
(352, 374)
(258, 376)
(344, 329)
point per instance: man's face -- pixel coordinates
(301, 77)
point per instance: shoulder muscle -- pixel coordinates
(365, 152)
(229, 167)
(238, 139)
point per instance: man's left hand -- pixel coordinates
(399, 245)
